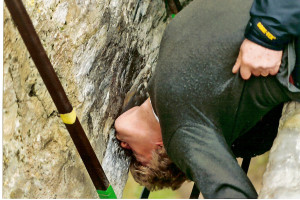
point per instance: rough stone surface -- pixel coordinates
(99, 54)
(282, 176)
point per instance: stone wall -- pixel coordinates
(282, 176)
(99, 54)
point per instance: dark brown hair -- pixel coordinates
(160, 173)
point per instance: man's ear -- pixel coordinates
(161, 144)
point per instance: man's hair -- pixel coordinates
(160, 173)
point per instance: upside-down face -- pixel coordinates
(138, 130)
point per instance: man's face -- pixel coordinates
(135, 132)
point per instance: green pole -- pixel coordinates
(59, 97)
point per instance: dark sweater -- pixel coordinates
(201, 105)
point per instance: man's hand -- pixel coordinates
(257, 60)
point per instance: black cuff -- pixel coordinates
(259, 33)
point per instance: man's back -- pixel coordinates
(201, 105)
(193, 80)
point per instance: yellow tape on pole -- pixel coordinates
(69, 118)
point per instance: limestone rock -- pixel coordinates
(282, 176)
(99, 54)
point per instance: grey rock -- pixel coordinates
(282, 178)
(101, 56)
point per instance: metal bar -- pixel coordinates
(195, 192)
(173, 7)
(145, 194)
(58, 95)
(136, 9)
(296, 71)
(178, 5)
(245, 164)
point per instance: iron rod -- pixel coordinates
(145, 194)
(245, 164)
(178, 5)
(195, 192)
(136, 9)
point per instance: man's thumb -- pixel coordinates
(237, 64)
(236, 67)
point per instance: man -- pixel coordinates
(202, 108)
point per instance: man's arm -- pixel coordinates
(204, 156)
(272, 25)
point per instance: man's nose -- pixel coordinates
(125, 145)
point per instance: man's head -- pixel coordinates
(139, 131)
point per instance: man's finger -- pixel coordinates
(275, 70)
(264, 73)
(237, 65)
(245, 72)
(256, 72)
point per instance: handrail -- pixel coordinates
(195, 192)
(58, 95)
(246, 164)
(145, 193)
